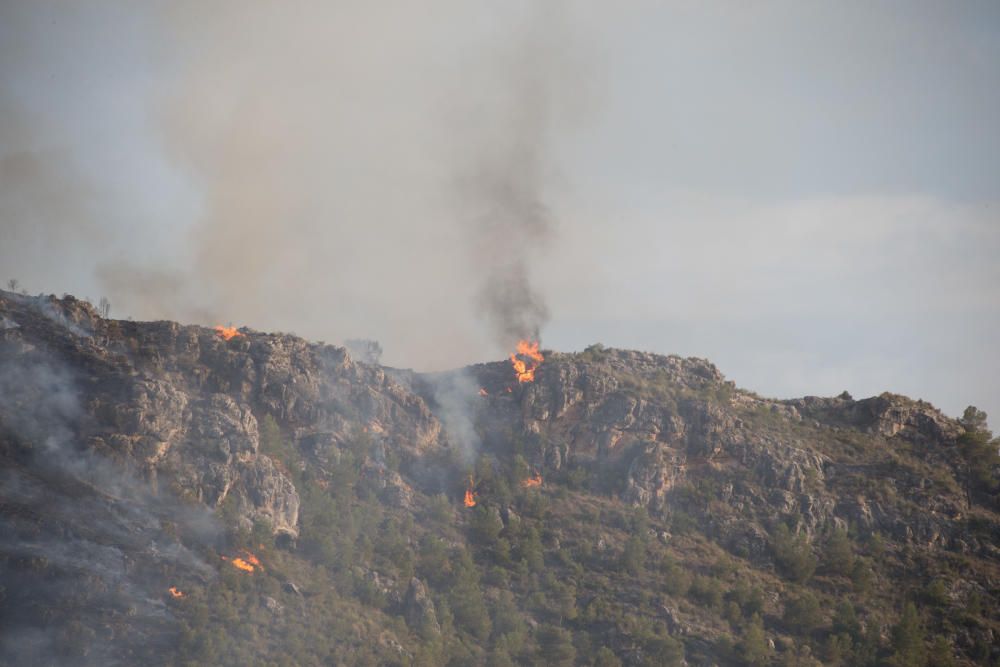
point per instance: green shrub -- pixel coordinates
(792, 554)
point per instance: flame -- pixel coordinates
(175, 592)
(470, 495)
(532, 481)
(242, 564)
(525, 369)
(248, 563)
(483, 392)
(226, 333)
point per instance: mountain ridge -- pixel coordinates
(266, 441)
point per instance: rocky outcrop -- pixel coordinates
(670, 425)
(180, 405)
(893, 415)
(389, 484)
(267, 493)
(889, 415)
(652, 475)
(418, 610)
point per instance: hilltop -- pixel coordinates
(630, 508)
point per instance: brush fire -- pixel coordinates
(525, 360)
(470, 495)
(247, 563)
(227, 333)
(175, 592)
(532, 482)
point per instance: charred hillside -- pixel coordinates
(183, 495)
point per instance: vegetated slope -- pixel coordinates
(173, 497)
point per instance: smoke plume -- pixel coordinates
(339, 170)
(502, 184)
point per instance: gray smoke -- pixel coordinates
(503, 185)
(339, 171)
(455, 396)
(73, 525)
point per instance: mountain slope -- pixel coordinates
(307, 508)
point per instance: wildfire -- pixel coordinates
(524, 369)
(532, 481)
(248, 563)
(470, 495)
(483, 392)
(226, 333)
(175, 592)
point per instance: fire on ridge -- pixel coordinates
(227, 333)
(525, 360)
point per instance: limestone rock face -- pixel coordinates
(682, 438)
(268, 493)
(391, 486)
(888, 414)
(180, 406)
(652, 474)
(892, 415)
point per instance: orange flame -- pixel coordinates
(249, 563)
(525, 369)
(532, 481)
(175, 592)
(226, 333)
(483, 392)
(470, 495)
(242, 564)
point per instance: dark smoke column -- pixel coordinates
(502, 187)
(515, 226)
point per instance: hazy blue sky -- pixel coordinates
(805, 193)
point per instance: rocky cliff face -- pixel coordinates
(118, 436)
(180, 405)
(665, 422)
(157, 420)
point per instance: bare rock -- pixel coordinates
(652, 475)
(418, 610)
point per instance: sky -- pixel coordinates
(807, 194)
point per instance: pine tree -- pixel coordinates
(908, 640)
(753, 649)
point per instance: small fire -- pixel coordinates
(226, 333)
(525, 369)
(175, 592)
(532, 481)
(483, 392)
(248, 563)
(470, 495)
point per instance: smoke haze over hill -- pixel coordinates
(800, 190)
